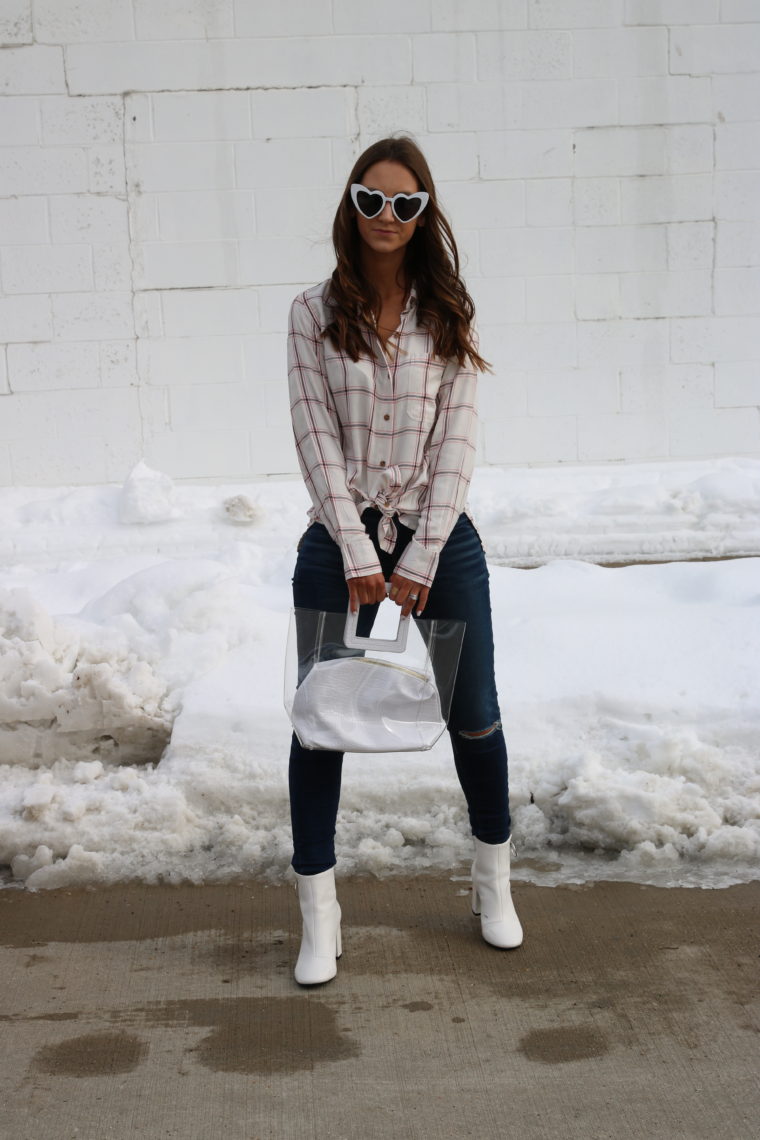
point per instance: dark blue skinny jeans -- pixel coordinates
(460, 590)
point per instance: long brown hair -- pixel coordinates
(444, 307)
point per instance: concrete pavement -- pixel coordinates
(163, 1012)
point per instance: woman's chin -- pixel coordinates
(384, 243)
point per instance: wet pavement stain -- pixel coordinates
(40, 1016)
(35, 959)
(243, 958)
(133, 912)
(564, 1043)
(254, 1035)
(417, 1006)
(91, 1055)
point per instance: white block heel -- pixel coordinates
(321, 943)
(492, 896)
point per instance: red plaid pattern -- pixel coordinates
(396, 432)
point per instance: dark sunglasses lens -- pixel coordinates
(406, 208)
(369, 204)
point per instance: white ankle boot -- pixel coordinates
(491, 895)
(320, 944)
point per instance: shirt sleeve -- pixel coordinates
(317, 433)
(451, 460)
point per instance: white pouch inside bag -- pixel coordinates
(347, 692)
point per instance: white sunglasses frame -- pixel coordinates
(356, 187)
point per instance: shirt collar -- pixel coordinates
(411, 300)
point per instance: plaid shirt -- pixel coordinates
(396, 432)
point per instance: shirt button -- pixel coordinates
(386, 416)
(382, 463)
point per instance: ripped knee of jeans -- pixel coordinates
(476, 734)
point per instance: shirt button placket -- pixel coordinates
(389, 385)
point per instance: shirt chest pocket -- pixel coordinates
(419, 406)
(418, 409)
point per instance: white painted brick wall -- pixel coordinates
(582, 391)
(16, 22)
(183, 19)
(524, 55)
(668, 387)
(619, 52)
(569, 103)
(378, 106)
(23, 220)
(737, 146)
(294, 114)
(302, 61)
(526, 154)
(673, 199)
(309, 17)
(621, 249)
(441, 58)
(721, 49)
(716, 338)
(665, 294)
(737, 291)
(19, 120)
(32, 70)
(671, 11)
(660, 99)
(597, 296)
(574, 13)
(92, 316)
(738, 244)
(737, 195)
(550, 298)
(210, 116)
(540, 250)
(169, 173)
(453, 16)
(47, 269)
(203, 215)
(82, 21)
(25, 319)
(737, 385)
(604, 437)
(44, 367)
(34, 170)
(208, 312)
(735, 97)
(713, 432)
(82, 122)
(691, 245)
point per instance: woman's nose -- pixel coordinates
(387, 212)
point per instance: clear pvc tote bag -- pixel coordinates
(350, 693)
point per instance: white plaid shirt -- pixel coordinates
(396, 432)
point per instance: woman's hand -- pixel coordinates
(365, 591)
(408, 594)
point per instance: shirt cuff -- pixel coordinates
(418, 562)
(360, 557)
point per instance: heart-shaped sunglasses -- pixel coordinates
(405, 207)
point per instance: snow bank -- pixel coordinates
(79, 691)
(142, 734)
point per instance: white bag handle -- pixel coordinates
(352, 640)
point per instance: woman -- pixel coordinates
(382, 364)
